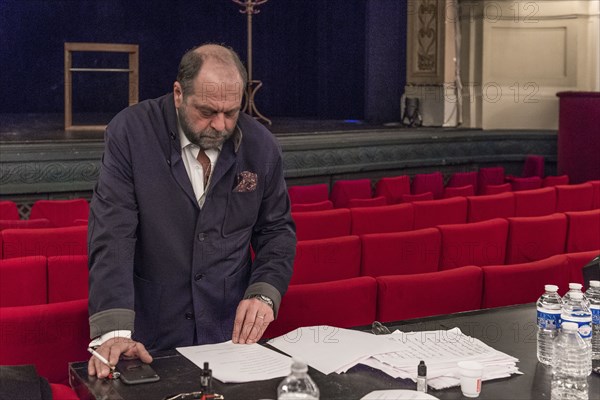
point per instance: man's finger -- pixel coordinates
(240, 314)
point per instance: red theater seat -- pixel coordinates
(596, 195)
(413, 198)
(486, 207)
(326, 260)
(45, 241)
(312, 225)
(46, 335)
(344, 304)
(373, 202)
(464, 191)
(530, 183)
(489, 176)
(535, 238)
(394, 218)
(496, 189)
(9, 210)
(576, 262)
(459, 179)
(478, 243)
(344, 190)
(320, 206)
(533, 203)
(62, 392)
(392, 188)
(442, 211)
(60, 213)
(402, 297)
(554, 180)
(505, 285)
(67, 278)
(400, 253)
(583, 232)
(574, 197)
(23, 281)
(308, 194)
(433, 182)
(24, 223)
(533, 166)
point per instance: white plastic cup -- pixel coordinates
(470, 378)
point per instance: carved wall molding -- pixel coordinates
(425, 41)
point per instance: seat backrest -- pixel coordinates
(392, 188)
(459, 179)
(308, 193)
(326, 260)
(477, 243)
(574, 197)
(400, 253)
(596, 195)
(67, 278)
(9, 210)
(530, 183)
(505, 285)
(44, 241)
(24, 223)
(495, 189)
(437, 212)
(319, 206)
(23, 281)
(373, 202)
(433, 182)
(46, 335)
(402, 297)
(489, 176)
(394, 218)
(554, 180)
(344, 303)
(481, 208)
(312, 225)
(60, 213)
(532, 203)
(533, 166)
(535, 238)
(576, 262)
(344, 190)
(413, 198)
(583, 231)
(455, 191)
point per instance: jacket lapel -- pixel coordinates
(224, 162)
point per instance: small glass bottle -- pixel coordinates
(422, 377)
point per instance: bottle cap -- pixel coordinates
(575, 286)
(299, 365)
(569, 326)
(594, 283)
(422, 369)
(551, 288)
(577, 295)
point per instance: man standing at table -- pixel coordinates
(188, 182)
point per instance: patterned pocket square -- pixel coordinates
(246, 182)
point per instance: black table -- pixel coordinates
(511, 330)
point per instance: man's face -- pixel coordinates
(208, 115)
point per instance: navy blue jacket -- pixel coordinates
(152, 250)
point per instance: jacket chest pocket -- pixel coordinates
(241, 212)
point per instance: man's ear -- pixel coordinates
(177, 94)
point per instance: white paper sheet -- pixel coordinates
(238, 363)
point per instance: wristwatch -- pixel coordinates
(264, 299)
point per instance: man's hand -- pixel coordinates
(251, 319)
(112, 350)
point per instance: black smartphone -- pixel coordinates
(134, 372)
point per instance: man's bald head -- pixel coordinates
(192, 61)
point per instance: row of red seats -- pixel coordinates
(496, 241)
(45, 214)
(423, 214)
(401, 189)
(47, 242)
(360, 301)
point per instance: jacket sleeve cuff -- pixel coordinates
(116, 319)
(266, 290)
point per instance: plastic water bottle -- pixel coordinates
(576, 310)
(571, 368)
(549, 307)
(593, 295)
(298, 385)
(575, 288)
